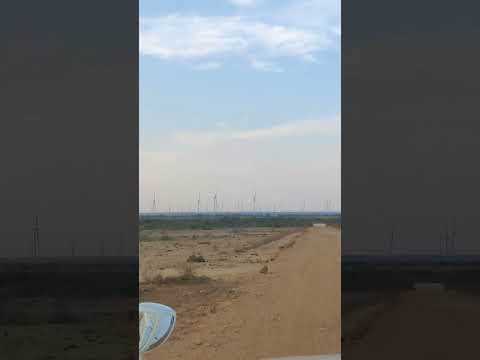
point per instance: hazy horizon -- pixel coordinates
(238, 98)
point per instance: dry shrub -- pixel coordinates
(187, 273)
(196, 259)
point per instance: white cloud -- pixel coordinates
(243, 3)
(314, 14)
(196, 37)
(265, 66)
(325, 127)
(211, 65)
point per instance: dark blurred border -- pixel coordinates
(410, 143)
(69, 184)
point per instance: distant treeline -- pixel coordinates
(208, 222)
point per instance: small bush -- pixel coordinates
(196, 259)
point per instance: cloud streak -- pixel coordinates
(328, 127)
(265, 66)
(196, 37)
(211, 65)
(323, 15)
(244, 3)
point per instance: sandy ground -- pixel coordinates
(228, 253)
(292, 309)
(435, 324)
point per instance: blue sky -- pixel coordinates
(237, 97)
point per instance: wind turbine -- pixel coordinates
(215, 203)
(327, 205)
(154, 204)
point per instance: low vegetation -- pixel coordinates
(155, 227)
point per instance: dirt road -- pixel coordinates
(293, 309)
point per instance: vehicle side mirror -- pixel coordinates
(156, 324)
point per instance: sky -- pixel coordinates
(240, 97)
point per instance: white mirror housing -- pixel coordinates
(156, 325)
